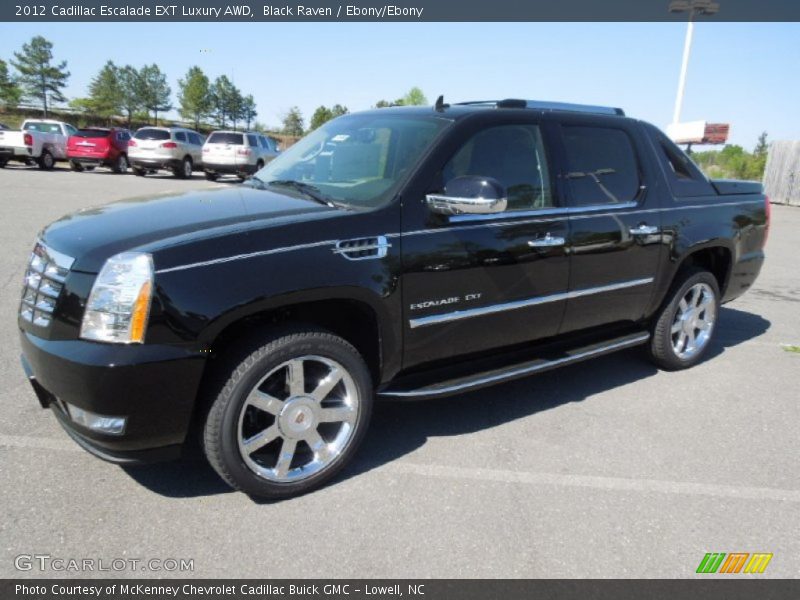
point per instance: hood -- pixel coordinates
(92, 235)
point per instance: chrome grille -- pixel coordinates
(44, 281)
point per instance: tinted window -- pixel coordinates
(219, 137)
(262, 141)
(512, 154)
(180, 136)
(196, 139)
(684, 177)
(92, 133)
(602, 165)
(252, 141)
(151, 134)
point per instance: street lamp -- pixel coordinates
(693, 7)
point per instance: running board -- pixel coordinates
(515, 371)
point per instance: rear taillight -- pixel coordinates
(768, 211)
(27, 139)
(169, 145)
(131, 143)
(243, 151)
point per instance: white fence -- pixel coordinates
(782, 173)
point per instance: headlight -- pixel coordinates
(119, 303)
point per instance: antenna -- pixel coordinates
(440, 105)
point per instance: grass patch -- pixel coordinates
(791, 348)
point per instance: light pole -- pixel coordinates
(693, 7)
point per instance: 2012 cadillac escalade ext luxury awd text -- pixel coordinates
(399, 253)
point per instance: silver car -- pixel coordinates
(170, 148)
(236, 153)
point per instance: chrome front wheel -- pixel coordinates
(291, 414)
(298, 419)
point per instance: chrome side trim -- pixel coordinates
(217, 261)
(514, 373)
(496, 308)
(561, 210)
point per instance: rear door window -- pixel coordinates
(196, 139)
(252, 141)
(151, 134)
(602, 165)
(220, 137)
(180, 136)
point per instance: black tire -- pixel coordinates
(120, 165)
(663, 341)
(184, 171)
(74, 166)
(3, 164)
(221, 434)
(46, 161)
(259, 165)
(211, 176)
(139, 172)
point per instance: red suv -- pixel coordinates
(97, 146)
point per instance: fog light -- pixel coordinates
(95, 422)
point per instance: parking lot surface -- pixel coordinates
(610, 468)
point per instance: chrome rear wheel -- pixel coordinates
(694, 321)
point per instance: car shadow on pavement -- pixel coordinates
(399, 428)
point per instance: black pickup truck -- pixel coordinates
(405, 253)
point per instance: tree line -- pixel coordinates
(127, 91)
(734, 162)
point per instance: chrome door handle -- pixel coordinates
(644, 230)
(548, 241)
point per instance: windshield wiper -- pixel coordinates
(308, 190)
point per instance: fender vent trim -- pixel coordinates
(363, 248)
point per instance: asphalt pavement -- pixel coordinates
(609, 468)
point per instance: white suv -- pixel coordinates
(236, 153)
(172, 148)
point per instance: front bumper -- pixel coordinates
(154, 387)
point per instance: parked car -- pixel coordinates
(40, 141)
(402, 253)
(96, 146)
(169, 148)
(236, 153)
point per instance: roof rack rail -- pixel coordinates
(543, 105)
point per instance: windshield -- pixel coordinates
(356, 160)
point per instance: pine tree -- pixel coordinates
(194, 96)
(130, 91)
(39, 78)
(10, 93)
(155, 90)
(105, 92)
(293, 122)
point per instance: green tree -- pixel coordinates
(338, 110)
(224, 99)
(383, 104)
(131, 97)
(762, 146)
(10, 93)
(39, 78)
(293, 122)
(155, 90)
(414, 97)
(321, 116)
(194, 96)
(105, 92)
(249, 112)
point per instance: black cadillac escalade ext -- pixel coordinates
(399, 253)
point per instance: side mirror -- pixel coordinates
(469, 195)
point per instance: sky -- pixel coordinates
(745, 74)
